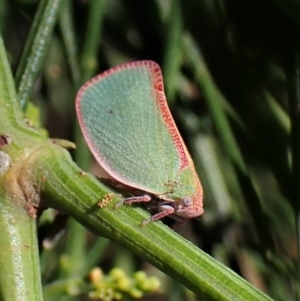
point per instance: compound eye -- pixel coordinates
(187, 201)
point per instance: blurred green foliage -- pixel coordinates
(231, 72)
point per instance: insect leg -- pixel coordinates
(165, 210)
(134, 199)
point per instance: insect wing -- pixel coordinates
(126, 122)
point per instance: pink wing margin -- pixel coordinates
(158, 88)
(166, 114)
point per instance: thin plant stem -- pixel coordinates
(35, 49)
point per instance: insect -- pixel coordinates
(127, 124)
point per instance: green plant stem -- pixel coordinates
(92, 257)
(35, 49)
(173, 50)
(75, 245)
(92, 39)
(88, 63)
(19, 259)
(56, 289)
(77, 234)
(66, 25)
(78, 194)
(75, 249)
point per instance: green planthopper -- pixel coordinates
(127, 124)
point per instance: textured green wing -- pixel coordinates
(125, 123)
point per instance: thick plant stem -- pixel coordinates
(79, 195)
(19, 259)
